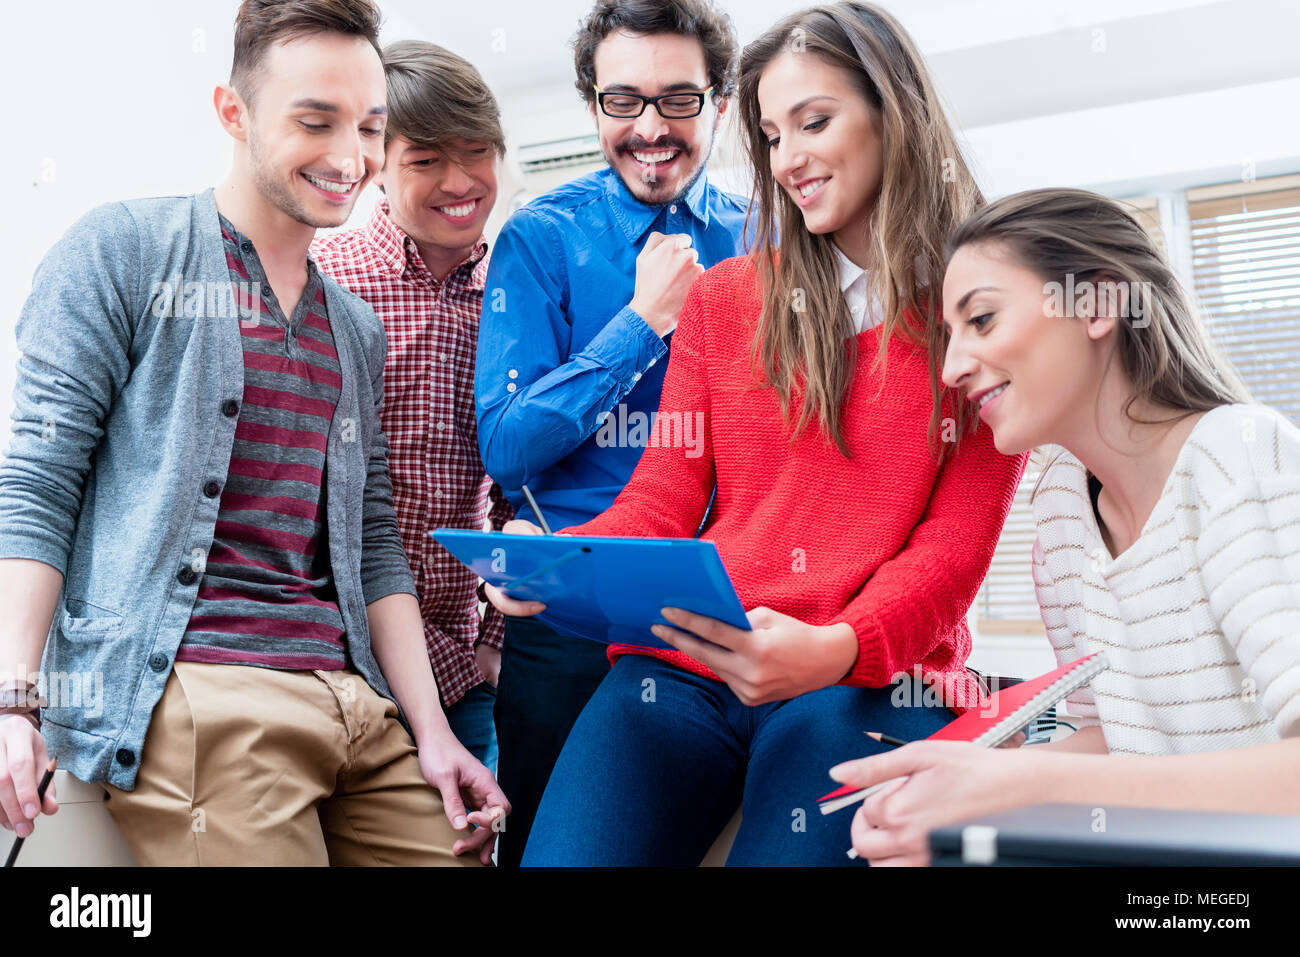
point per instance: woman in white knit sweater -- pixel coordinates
(1168, 532)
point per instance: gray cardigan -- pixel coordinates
(124, 410)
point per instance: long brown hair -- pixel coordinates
(1168, 355)
(926, 190)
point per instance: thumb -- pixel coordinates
(452, 804)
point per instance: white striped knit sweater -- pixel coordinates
(1200, 617)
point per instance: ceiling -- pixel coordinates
(994, 60)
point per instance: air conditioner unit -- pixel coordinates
(538, 157)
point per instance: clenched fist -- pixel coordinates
(665, 270)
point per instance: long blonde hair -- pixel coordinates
(926, 190)
(1057, 233)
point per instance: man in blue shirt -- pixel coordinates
(582, 295)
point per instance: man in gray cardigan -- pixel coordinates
(197, 538)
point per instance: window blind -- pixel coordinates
(1006, 603)
(1246, 274)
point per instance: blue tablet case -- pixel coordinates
(606, 589)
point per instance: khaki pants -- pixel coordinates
(255, 766)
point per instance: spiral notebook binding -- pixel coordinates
(1017, 719)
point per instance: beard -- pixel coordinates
(649, 191)
(278, 193)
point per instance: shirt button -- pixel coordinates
(672, 209)
(158, 662)
(443, 357)
(230, 408)
(511, 387)
(636, 377)
(654, 360)
(125, 757)
(441, 426)
(211, 489)
(513, 373)
(246, 246)
(437, 493)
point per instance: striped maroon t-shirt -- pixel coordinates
(266, 596)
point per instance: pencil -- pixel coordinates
(40, 799)
(532, 503)
(888, 739)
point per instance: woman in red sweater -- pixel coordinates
(853, 505)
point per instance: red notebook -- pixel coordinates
(998, 718)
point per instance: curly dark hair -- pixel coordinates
(691, 18)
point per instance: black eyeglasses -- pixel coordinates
(671, 106)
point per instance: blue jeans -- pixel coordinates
(471, 721)
(661, 758)
(546, 680)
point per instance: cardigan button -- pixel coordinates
(125, 757)
(188, 576)
(230, 408)
(158, 661)
(211, 489)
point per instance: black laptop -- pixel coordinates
(1084, 835)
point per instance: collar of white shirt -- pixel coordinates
(853, 283)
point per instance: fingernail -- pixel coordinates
(836, 774)
(30, 810)
(24, 829)
(460, 823)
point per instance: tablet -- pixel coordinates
(604, 589)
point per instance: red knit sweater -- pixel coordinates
(885, 540)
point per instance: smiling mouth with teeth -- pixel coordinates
(456, 212)
(329, 186)
(653, 159)
(992, 394)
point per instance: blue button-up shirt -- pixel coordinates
(559, 347)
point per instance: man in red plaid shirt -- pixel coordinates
(420, 262)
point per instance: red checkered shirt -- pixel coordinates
(428, 418)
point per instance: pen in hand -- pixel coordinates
(532, 503)
(40, 798)
(888, 739)
(893, 742)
